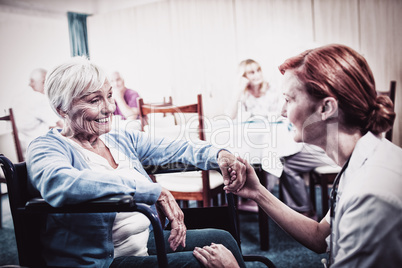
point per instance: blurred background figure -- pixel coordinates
(37, 80)
(255, 98)
(254, 95)
(36, 116)
(126, 99)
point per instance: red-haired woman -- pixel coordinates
(334, 86)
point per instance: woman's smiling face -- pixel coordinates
(91, 114)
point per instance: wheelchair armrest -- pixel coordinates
(173, 168)
(170, 168)
(114, 203)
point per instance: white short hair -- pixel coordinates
(70, 80)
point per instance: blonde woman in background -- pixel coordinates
(255, 96)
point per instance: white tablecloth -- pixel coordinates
(259, 142)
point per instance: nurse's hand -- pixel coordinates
(252, 186)
(215, 256)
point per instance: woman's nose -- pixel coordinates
(109, 107)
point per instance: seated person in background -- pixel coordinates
(37, 83)
(87, 159)
(126, 99)
(293, 190)
(330, 85)
(35, 116)
(258, 98)
(254, 95)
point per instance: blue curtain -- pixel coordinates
(77, 24)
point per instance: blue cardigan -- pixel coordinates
(59, 174)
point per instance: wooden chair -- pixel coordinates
(322, 176)
(28, 214)
(201, 186)
(325, 175)
(10, 117)
(20, 156)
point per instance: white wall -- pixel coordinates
(28, 40)
(185, 47)
(34, 33)
(181, 47)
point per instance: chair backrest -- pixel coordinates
(391, 95)
(27, 235)
(148, 108)
(10, 117)
(168, 102)
(196, 108)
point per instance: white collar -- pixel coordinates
(364, 149)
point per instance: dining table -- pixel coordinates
(262, 143)
(260, 140)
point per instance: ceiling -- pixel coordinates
(80, 6)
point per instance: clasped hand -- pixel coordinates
(251, 183)
(233, 171)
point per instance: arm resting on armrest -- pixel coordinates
(114, 203)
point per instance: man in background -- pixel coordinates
(35, 116)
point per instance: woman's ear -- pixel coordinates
(329, 108)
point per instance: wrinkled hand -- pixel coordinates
(168, 205)
(252, 183)
(215, 256)
(233, 171)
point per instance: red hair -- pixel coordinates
(340, 72)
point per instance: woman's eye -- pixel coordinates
(110, 95)
(93, 101)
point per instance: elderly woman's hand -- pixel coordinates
(233, 171)
(215, 256)
(168, 205)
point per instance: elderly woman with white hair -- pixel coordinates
(88, 159)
